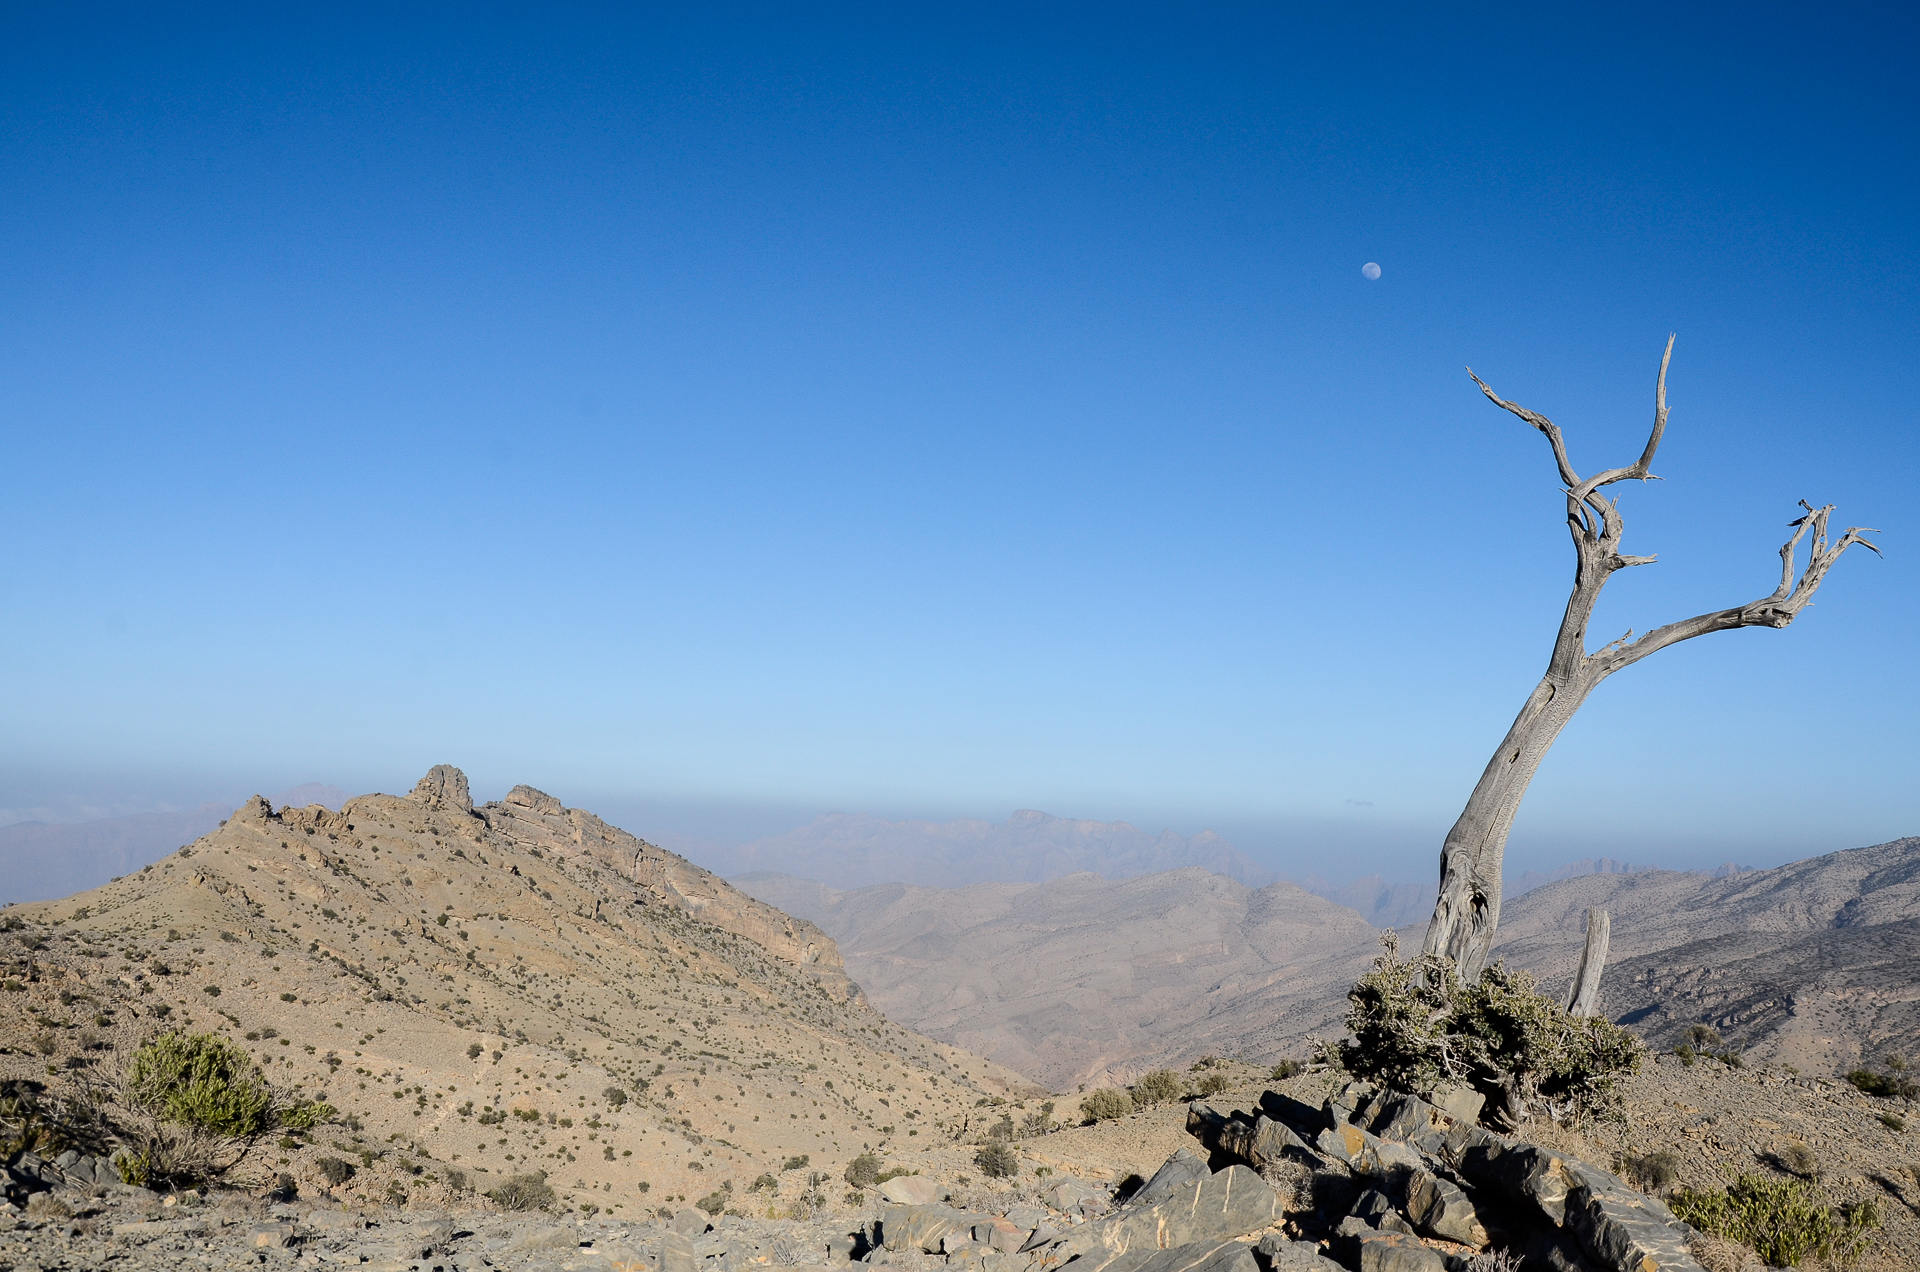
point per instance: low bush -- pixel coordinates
(863, 1171)
(1156, 1088)
(997, 1160)
(1286, 1069)
(796, 1163)
(1784, 1221)
(1892, 1086)
(614, 1096)
(713, 1203)
(1212, 1083)
(1106, 1104)
(523, 1192)
(335, 1171)
(1416, 1024)
(201, 1081)
(1651, 1172)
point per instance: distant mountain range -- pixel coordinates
(853, 850)
(1085, 979)
(43, 860)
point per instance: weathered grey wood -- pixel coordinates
(1583, 999)
(1467, 910)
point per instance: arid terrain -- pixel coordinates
(469, 984)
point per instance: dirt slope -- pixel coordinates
(420, 963)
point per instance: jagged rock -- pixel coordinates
(444, 788)
(1228, 1203)
(911, 1190)
(1439, 1209)
(1195, 1256)
(1282, 1255)
(535, 801)
(924, 1228)
(676, 1254)
(1397, 1252)
(1001, 1234)
(1363, 1153)
(1462, 1104)
(1184, 1167)
(1622, 1228)
(1068, 1194)
(1375, 1211)
(690, 1222)
(1028, 1217)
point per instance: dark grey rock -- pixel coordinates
(1184, 1167)
(1439, 1209)
(1282, 1255)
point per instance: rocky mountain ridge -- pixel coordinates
(488, 990)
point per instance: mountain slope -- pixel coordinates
(1083, 979)
(853, 850)
(420, 963)
(1809, 963)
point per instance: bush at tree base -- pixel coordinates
(1784, 1221)
(1415, 1025)
(997, 1161)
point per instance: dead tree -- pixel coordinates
(1468, 908)
(1583, 996)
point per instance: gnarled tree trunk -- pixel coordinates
(1467, 911)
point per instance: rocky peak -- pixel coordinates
(444, 788)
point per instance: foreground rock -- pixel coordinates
(1425, 1172)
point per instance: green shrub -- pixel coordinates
(1651, 1172)
(1784, 1221)
(1211, 1083)
(336, 1171)
(1890, 1086)
(767, 1183)
(201, 1081)
(795, 1163)
(863, 1171)
(1415, 1024)
(1799, 1160)
(473, 1050)
(1157, 1087)
(523, 1192)
(1893, 1122)
(1106, 1104)
(615, 1096)
(1286, 1069)
(713, 1203)
(997, 1160)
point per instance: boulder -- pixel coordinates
(1226, 1204)
(1282, 1255)
(534, 801)
(1621, 1228)
(690, 1222)
(1069, 1194)
(911, 1190)
(676, 1253)
(1365, 1154)
(923, 1228)
(270, 1236)
(1184, 1167)
(1462, 1104)
(1397, 1252)
(1375, 1211)
(1439, 1209)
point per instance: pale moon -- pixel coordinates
(1370, 271)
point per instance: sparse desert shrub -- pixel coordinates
(1703, 1037)
(1156, 1087)
(474, 1050)
(1106, 1104)
(1892, 1086)
(713, 1203)
(1415, 1024)
(455, 1177)
(997, 1160)
(201, 1081)
(863, 1171)
(285, 1188)
(335, 1171)
(614, 1096)
(1288, 1068)
(1893, 1122)
(796, 1163)
(1784, 1221)
(45, 1043)
(1212, 1083)
(1651, 1172)
(1799, 1160)
(767, 1183)
(523, 1192)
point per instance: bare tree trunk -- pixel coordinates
(1583, 999)
(1467, 910)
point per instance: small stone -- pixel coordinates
(266, 1235)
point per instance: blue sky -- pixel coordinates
(716, 418)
